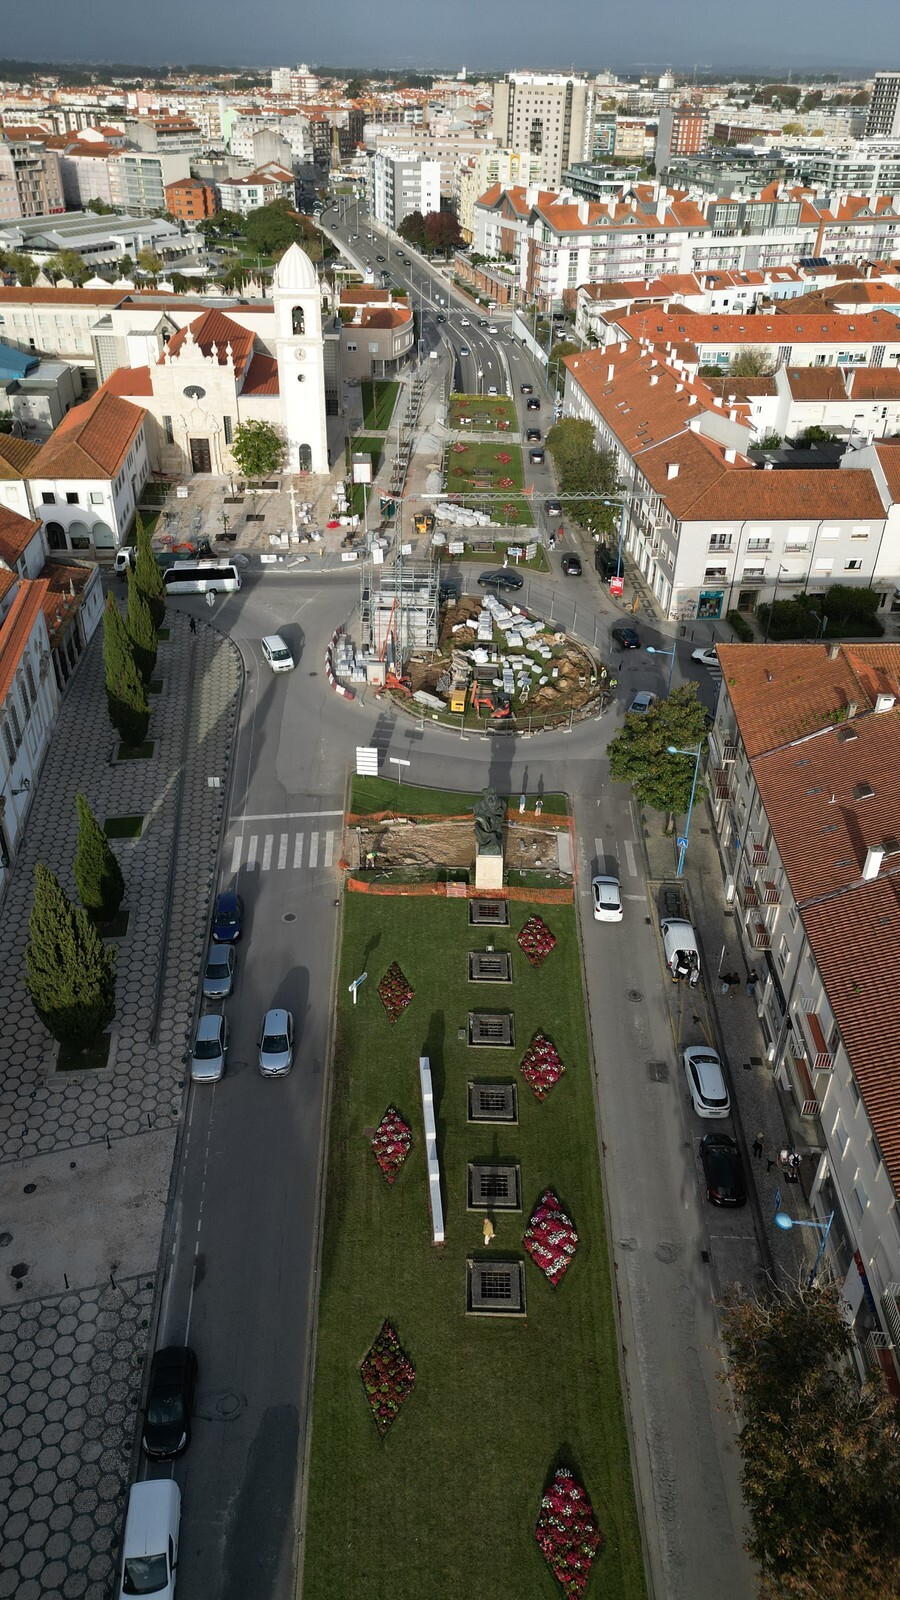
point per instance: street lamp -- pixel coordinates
(610, 500)
(784, 1221)
(685, 837)
(654, 650)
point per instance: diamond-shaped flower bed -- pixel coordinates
(504, 457)
(550, 1238)
(541, 1067)
(395, 992)
(536, 941)
(567, 1533)
(387, 1376)
(391, 1143)
(507, 483)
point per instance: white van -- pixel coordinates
(150, 1541)
(124, 561)
(277, 652)
(681, 949)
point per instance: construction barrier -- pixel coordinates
(465, 891)
(346, 694)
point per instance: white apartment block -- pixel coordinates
(400, 184)
(548, 115)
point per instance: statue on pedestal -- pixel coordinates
(489, 814)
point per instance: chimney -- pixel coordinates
(672, 469)
(610, 373)
(849, 376)
(583, 212)
(834, 651)
(769, 466)
(874, 858)
(852, 709)
(885, 702)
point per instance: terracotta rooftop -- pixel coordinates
(15, 456)
(16, 629)
(214, 328)
(128, 381)
(889, 458)
(65, 586)
(783, 692)
(262, 376)
(724, 329)
(16, 534)
(92, 440)
(816, 383)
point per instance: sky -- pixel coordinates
(508, 34)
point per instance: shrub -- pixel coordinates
(740, 626)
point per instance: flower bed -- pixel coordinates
(541, 1067)
(567, 1534)
(550, 1238)
(387, 1376)
(536, 941)
(506, 483)
(459, 449)
(504, 457)
(395, 992)
(391, 1143)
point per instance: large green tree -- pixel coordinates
(258, 448)
(24, 268)
(126, 697)
(752, 362)
(68, 264)
(69, 972)
(270, 229)
(582, 469)
(101, 887)
(639, 753)
(147, 575)
(442, 231)
(412, 229)
(821, 1454)
(141, 629)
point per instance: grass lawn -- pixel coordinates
(378, 401)
(446, 1504)
(485, 410)
(496, 552)
(384, 794)
(471, 468)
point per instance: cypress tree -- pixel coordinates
(98, 875)
(147, 575)
(70, 973)
(126, 697)
(140, 629)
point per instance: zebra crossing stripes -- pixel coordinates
(283, 852)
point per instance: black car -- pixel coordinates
(606, 561)
(526, 388)
(167, 1420)
(533, 435)
(536, 457)
(553, 507)
(504, 579)
(228, 917)
(440, 317)
(533, 403)
(627, 638)
(722, 1169)
(571, 566)
(379, 258)
(482, 322)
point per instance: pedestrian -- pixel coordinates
(522, 803)
(488, 1231)
(725, 982)
(752, 981)
(770, 1162)
(538, 806)
(734, 981)
(193, 625)
(758, 1147)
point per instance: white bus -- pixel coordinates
(201, 577)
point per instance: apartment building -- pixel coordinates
(30, 171)
(547, 114)
(191, 200)
(883, 120)
(377, 332)
(490, 167)
(400, 184)
(261, 188)
(786, 337)
(138, 178)
(682, 131)
(805, 756)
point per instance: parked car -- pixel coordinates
(218, 974)
(504, 579)
(170, 1394)
(533, 435)
(210, 1046)
(533, 403)
(277, 652)
(707, 658)
(536, 457)
(626, 638)
(150, 1540)
(642, 701)
(681, 949)
(571, 566)
(379, 258)
(722, 1170)
(228, 917)
(606, 894)
(606, 561)
(553, 507)
(276, 1044)
(706, 1081)
(526, 388)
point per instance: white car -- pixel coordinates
(642, 701)
(276, 1046)
(492, 327)
(706, 1081)
(276, 651)
(707, 657)
(150, 1541)
(210, 1045)
(607, 897)
(464, 322)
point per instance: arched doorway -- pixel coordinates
(56, 536)
(103, 536)
(304, 458)
(79, 536)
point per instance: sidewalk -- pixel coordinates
(87, 1157)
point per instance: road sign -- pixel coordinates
(617, 587)
(531, 551)
(399, 763)
(681, 841)
(366, 761)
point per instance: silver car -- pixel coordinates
(276, 1045)
(607, 898)
(218, 974)
(706, 1081)
(210, 1045)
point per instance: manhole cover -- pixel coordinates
(666, 1252)
(5, 1239)
(635, 996)
(29, 1188)
(659, 1071)
(230, 1405)
(289, 916)
(20, 1270)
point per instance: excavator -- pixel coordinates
(484, 699)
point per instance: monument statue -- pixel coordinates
(489, 814)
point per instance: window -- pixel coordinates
(854, 1091)
(852, 566)
(860, 1200)
(30, 677)
(167, 429)
(97, 497)
(10, 743)
(351, 347)
(47, 499)
(839, 1134)
(71, 498)
(227, 425)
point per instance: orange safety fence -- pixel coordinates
(453, 891)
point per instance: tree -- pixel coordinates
(67, 264)
(354, 89)
(149, 261)
(222, 226)
(442, 231)
(271, 229)
(141, 630)
(24, 268)
(412, 229)
(751, 363)
(258, 448)
(69, 972)
(126, 697)
(558, 353)
(126, 267)
(147, 575)
(101, 887)
(100, 208)
(639, 753)
(821, 1455)
(583, 469)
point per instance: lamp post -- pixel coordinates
(654, 650)
(685, 838)
(786, 1222)
(781, 569)
(611, 500)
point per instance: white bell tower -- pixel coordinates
(300, 351)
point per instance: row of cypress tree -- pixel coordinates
(130, 644)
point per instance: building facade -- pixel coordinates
(548, 115)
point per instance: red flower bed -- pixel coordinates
(541, 1067)
(536, 941)
(387, 1378)
(512, 513)
(567, 1533)
(395, 992)
(391, 1143)
(550, 1238)
(504, 456)
(459, 449)
(507, 483)
(503, 424)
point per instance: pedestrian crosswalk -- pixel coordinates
(608, 858)
(283, 852)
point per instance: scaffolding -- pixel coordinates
(398, 610)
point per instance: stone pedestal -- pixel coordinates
(488, 871)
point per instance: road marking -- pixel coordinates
(313, 849)
(236, 854)
(267, 852)
(329, 846)
(298, 850)
(598, 850)
(282, 852)
(251, 851)
(281, 816)
(629, 857)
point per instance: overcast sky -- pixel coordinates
(583, 34)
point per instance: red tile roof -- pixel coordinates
(723, 329)
(262, 376)
(889, 458)
(16, 534)
(15, 456)
(16, 629)
(215, 328)
(783, 692)
(816, 383)
(128, 381)
(92, 440)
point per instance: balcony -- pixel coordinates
(771, 894)
(759, 855)
(822, 1058)
(723, 785)
(748, 894)
(729, 752)
(716, 547)
(802, 1086)
(752, 580)
(758, 935)
(795, 547)
(758, 547)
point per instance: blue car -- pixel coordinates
(228, 918)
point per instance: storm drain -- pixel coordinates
(658, 1071)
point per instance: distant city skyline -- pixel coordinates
(404, 35)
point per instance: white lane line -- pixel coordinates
(236, 854)
(329, 846)
(267, 852)
(313, 849)
(598, 852)
(251, 851)
(629, 857)
(298, 850)
(282, 852)
(282, 816)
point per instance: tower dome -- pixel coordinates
(295, 272)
